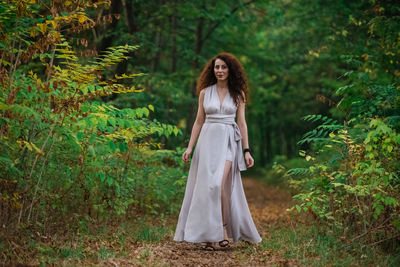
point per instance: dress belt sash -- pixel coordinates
(237, 137)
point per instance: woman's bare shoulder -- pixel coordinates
(242, 100)
(202, 92)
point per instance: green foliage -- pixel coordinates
(354, 179)
(321, 132)
(353, 182)
(310, 245)
(150, 233)
(64, 153)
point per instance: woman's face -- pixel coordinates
(221, 70)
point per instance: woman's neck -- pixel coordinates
(222, 84)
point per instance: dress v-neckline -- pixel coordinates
(223, 99)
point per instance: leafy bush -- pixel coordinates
(356, 187)
(354, 179)
(66, 156)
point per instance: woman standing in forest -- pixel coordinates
(214, 208)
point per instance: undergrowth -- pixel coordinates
(97, 245)
(309, 245)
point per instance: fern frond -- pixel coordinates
(321, 132)
(298, 171)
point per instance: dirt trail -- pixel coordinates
(267, 205)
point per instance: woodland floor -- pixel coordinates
(287, 241)
(267, 205)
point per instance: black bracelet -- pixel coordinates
(247, 150)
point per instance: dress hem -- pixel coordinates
(203, 241)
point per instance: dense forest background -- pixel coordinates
(98, 99)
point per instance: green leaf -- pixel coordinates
(102, 176)
(91, 150)
(112, 121)
(146, 111)
(298, 208)
(389, 148)
(80, 136)
(102, 123)
(112, 145)
(122, 146)
(91, 88)
(3, 107)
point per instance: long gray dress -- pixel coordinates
(200, 218)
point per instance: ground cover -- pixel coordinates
(288, 240)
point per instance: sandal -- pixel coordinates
(209, 247)
(225, 242)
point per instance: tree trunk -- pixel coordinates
(156, 59)
(263, 140)
(129, 14)
(107, 41)
(174, 53)
(283, 141)
(268, 143)
(196, 64)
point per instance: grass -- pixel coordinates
(71, 253)
(95, 245)
(308, 245)
(300, 244)
(150, 234)
(285, 241)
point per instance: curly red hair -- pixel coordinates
(237, 79)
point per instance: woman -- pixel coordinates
(215, 207)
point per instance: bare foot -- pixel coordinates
(210, 246)
(225, 242)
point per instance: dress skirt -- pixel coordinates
(200, 218)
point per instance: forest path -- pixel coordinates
(268, 206)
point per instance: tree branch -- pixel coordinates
(216, 24)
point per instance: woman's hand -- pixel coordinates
(249, 160)
(186, 154)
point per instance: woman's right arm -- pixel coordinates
(198, 124)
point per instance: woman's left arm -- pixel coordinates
(241, 122)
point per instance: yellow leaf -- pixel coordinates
(136, 90)
(56, 34)
(28, 145)
(82, 18)
(308, 158)
(101, 115)
(54, 23)
(43, 27)
(33, 32)
(36, 148)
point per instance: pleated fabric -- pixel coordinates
(200, 218)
